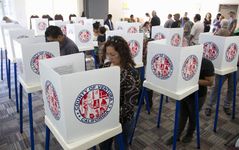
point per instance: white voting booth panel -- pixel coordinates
(12, 34)
(28, 53)
(175, 69)
(135, 42)
(78, 107)
(2, 35)
(173, 36)
(222, 51)
(39, 25)
(60, 24)
(81, 35)
(128, 27)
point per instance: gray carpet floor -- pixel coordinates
(147, 135)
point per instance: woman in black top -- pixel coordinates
(207, 22)
(117, 51)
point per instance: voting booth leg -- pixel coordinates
(142, 73)
(197, 119)
(6, 62)
(138, 112)
(31, 120)
(175, 134)
(95, 58)
(9, 79)
(147, 101)
(1, 64)
(16, 92)
(234, 94)
(120, 141)
(160, 110)
(85, 59)
(218, 103)
(21, 109)
(47, 142)
(166, 99)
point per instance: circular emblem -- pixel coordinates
(84, 36)
(134, 47)
(175, 40)
(42, 26)
(34, 63)
(210, 50)
(190, 67)
(159, 36)
(132, 30)
(63, 29)
(22, 36)
(52, 99)
(93, 104)
(231, 52)
(162, 66)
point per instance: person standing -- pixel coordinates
(216, 22)
(109, 22)
(116, 49)
(207, 22)
(177, 22)
(197, 28)
(67, 46)
(223, 31)
(155, 21)
(169, 22)
(232, 22)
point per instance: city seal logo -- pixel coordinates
(132, 30)
(34, 63)
(162, 66)
(93, 104)
(52, 99)
(134, 47)
(84, 36)
(175, 40)
(231, 52)
(159, 36)
(210, 50)
(190, 67)
(42, 26)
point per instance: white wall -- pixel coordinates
(21, 10)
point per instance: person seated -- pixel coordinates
(117, 51)
(67, 46)
(131, 19)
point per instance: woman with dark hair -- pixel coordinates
(117, 51)
(207, 22)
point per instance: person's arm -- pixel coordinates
(208, 81)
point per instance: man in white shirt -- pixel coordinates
(197, 28)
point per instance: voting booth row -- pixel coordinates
(84, 115)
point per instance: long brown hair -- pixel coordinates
(122, 47)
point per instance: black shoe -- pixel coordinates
(187, 138)
(170, 141)
(208, 112)
(227, 111)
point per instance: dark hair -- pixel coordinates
(146, 23)
(102, 30)
(53, 31)
(47, 17)
(122, 47)
(218, 15)
(131, 16)
(147, 14)
(109, 16)
(58, 17)
(96, 25)
(198, 17)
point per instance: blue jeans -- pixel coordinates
(127, 130)
(229, 96)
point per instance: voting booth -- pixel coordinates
(173, 36)
(2, 35)
(85, 109)
(15, 34)
(127, 27)
(81, 35)
(60, 24)
(39, 25)
(135, 42)
(28, 53)
(175, 69)
(222, 51)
